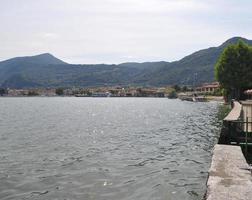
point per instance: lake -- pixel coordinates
(105, 148)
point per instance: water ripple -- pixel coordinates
(105, 148)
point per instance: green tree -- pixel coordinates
(184, 89)
(177, 88)
(234, 69)
(59, 91)
(32, 93)
(3, 91)
(172, 94)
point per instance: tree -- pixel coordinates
(3, 91)
(59, 91)
(184, 89)
(32, 93)
(172, 95)
(177, 88)
(234, 69)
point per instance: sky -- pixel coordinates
(117, 31)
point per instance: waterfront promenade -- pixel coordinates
(229, 175)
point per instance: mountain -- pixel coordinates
(42, 59)
(195, 69)
(45, 70)
(21, 72)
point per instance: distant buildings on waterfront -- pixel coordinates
(208, 87)
(88, 92)
(117, 91)
(29, 92)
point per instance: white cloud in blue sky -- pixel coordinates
(114, 31)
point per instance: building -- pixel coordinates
(208, 87)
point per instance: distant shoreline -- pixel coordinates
(209, 99)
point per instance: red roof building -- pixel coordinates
(208, 87)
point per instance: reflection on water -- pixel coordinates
(105, 148)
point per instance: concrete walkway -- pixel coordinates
(235, 113)
(229, 177)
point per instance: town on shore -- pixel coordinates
(116, 91)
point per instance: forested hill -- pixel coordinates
(193, 69)
(45, 70)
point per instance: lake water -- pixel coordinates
(105, 148)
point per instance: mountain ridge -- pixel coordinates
(45, 70)
(44, 58)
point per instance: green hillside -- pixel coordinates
(45, 70)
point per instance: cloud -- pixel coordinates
(49, 36)
(119, 30)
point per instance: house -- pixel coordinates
(208, 87)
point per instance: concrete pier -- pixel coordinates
(229, 175)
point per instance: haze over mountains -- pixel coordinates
(45, 70)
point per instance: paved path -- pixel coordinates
(235, 113)
(229, 178)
